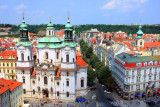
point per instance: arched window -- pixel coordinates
(51, 89)
(73, 59)
(24, 91)
(22, 57)
(67, 58)
(51, 60)
(39, 89)
(49, 32)
(33, 91)
(46, 55)
(67, 82)
(82, 82)
(24, 80)
(23, 72)
(28, 58)
(45, 80)
(57, 55)
(67, 94)
(67, 74)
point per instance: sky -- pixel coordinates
(80, 11)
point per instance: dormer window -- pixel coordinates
(155, 62)
(139, 64)
(150, 63)
(145, 63)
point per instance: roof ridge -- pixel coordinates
(5, 84)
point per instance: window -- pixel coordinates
(24, 91)
(45, 80)
(28, 58)
(49, 32)
(82, 82)
(155, 62)
(22, 57)
(127, 73)
(132, 73)
(51, 89)
(39, 89)
(140, 43)
(51, 79)
(3, 64)
(144, 86)
(67, 73)
(38, 78)
(67, 82)
(23, 72)
(57, 55)
(24, 80)
(57, 83)
(57, 93)
(46, 55)
(73, 59)
(7, 64)
(150, 78)
(131, 87)
(67, 58)
(8, 71)
(33, 82)
(67, 94)
(150, 71)
(33, 91)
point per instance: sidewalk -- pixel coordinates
(127, 103)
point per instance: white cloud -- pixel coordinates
(3, 7)
(110, 5)
(106, 14)
(21, 6)
(123, 5)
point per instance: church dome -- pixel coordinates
(23, 26)
(53, 39)
(140, 31)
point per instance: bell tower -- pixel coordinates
(25, 61)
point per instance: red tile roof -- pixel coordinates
(34, 73)
(10, 84)
(80, 61)
(3, 88)
(58, 74)
(93, 40)
(6, 54)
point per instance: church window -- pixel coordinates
(57, 93)
(7, 64)
(49, 32)
(73, 59)
(22, 57)
(46, 55)
(140, 43)
(24, 91)
(23, 72)
(3, 64)
(67, 82)
(45, 80)
(33, 82)
(28, 58)
(67, 73)
(82, 82)
(33, 91)
(51, 89)
(39, 89)
(24, 80)
(67, 58)
(57, 55)
(67, 94)
(57, 83)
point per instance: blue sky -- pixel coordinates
(81, 11)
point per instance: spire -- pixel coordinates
(140, 33)
(23, 19)
(50, 20)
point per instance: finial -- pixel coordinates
(23, 15)
(50, 19)
(68, 15)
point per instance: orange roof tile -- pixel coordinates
(6, 54)
(80, 61)
(11, 84)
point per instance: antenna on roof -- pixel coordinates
(23, 15)
(68, 15)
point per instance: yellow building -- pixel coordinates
(8, 61)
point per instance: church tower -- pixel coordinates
(25, 60)
(69, 51)
(50, 31)
(139, 39)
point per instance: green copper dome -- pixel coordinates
(68, 25)
(50, 25)
(53, 39)
(23, 25)
(130, 35)
(140, 33)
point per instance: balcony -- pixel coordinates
(57, 78)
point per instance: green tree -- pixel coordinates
(89, 52)
(91, 75)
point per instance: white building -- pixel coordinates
(59, 73)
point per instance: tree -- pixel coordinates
(89, 52)
(91, 75)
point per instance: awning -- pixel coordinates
(137, 95)
(143, 94)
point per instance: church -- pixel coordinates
(58, 72)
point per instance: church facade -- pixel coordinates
(58, 73)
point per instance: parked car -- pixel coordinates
(107, 92)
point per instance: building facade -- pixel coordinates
(59, 73)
